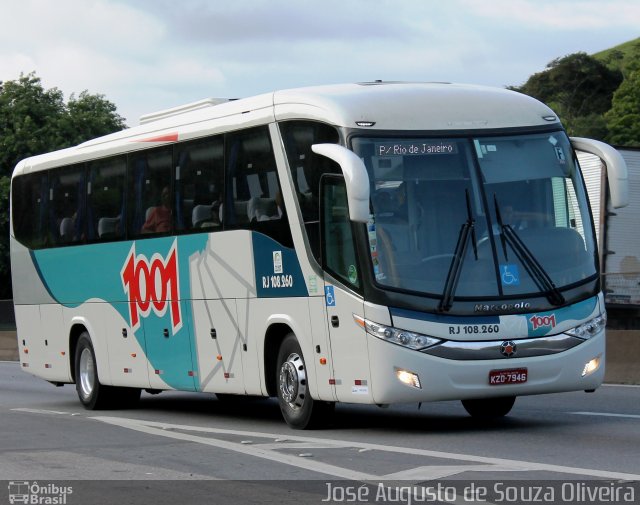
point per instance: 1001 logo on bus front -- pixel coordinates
(152, 285)
(543, 321)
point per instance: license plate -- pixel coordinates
(510, 376)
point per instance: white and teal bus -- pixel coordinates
(367, 243)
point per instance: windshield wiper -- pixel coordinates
(453, 276)
(503, 238)
(531, 264)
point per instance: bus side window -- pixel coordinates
(338, 251)
(150, 192)
(253, 194)
(30, 214)
(106, 199)
(199, 180)
(307, 168)
(67, 192)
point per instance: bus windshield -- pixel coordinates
(510, 210)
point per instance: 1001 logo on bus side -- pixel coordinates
(152, 284)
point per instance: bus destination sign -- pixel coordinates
(417, 148)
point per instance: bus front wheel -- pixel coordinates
(489, 408)
(298, 408)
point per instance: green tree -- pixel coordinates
(623, 120)
(29, 117)
(579, 88)
(89, 116)
(35, 120)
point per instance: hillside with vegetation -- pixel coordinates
(596, 96)
(623, 57)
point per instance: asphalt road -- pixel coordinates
(177, 447)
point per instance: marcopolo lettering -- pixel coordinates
(494, 307)
(152, 284)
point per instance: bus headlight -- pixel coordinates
(415, 341)
(589, 329)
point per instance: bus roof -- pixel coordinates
(414, 106)
(376, 105)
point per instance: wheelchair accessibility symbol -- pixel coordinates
(329, 296)
(509, 275)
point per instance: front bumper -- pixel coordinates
(452, 379)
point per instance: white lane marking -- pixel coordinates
(167, 430)
(298, 445)
(434, 472)
(621, 385)
(40, 411)
(607, 414)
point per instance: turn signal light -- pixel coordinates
(591, 366)
(408, 378)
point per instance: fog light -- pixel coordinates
(592, 366)
(408, 378)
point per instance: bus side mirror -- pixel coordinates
(355, 176)
(614, 164)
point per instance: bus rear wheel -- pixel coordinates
(489, 408)
(298, 408)
(92, 394)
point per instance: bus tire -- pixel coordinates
(92, 394)
(299, 409)
(489, 408)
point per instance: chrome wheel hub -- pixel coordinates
(87, 373)
(292, 381)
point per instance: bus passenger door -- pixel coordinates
(342, 301)
(348, 345)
